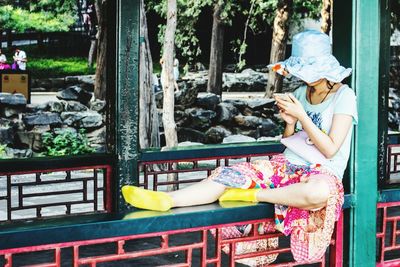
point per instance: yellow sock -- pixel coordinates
(147, 199)
(237, 194)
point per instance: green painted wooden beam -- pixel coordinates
(127, 99)
(365, 62)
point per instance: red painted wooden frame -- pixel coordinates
(335, 257)
(388, 234)
(18, 203)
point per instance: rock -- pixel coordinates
(260, 103)
(6, 135)
(201, 118)
(97, 136)
(208, 101)
(197, 80)
(45, 83)
(188, 143)
(75, 93)
(216, 134)
(87, 79)
(226, 112)
(88, 119)
(74, 106)
(246, 81)
(91, 120)
(45, 118)
(248, 121)
(97, 105)
(192, 135)
(64, 130)
(18, 153)
(239, 104)
(186, 96)
(34, 108)
(55, 106)
(247, 112)
(238, 139)
(33, 138)
(291, 84)
(268, 128)
(71, 79)
(99, 148)
(11, 111)
(181, 118)
(158, 97)
(72, 118)
(199, 67)
(12, 99)
(57, 82)
(393, 93)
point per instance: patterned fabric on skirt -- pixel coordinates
(310, 231)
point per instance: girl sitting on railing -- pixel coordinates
(305, 182)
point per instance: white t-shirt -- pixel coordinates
(20, 58)
(342, 102)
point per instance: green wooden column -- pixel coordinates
(127, 100)
(364, 171)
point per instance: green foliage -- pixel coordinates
(39, 15)
(2, 151)
(260, 18)
(58, 67)
(67, 143)
(186, 40)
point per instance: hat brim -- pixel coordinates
(314, 69)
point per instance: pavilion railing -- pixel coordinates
(48, 192)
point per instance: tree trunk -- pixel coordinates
(148, 116)
(167, 80)
(100, 80)
(92, 52)
(278, 47)
(216, 53)
(326, 16)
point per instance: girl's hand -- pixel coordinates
(294, 109)
(287, 118)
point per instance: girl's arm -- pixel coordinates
(289, 130)
(327, 144)
(330, 144)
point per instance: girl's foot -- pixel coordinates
(237, 194)
(147, 199)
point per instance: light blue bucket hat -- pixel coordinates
(312, 59)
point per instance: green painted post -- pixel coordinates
(127, 99)
(365, 61)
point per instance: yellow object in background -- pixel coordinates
(15, 83)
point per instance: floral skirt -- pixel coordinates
(310, 231)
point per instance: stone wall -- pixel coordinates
(22, 124)
(86, 82)
(207, 119)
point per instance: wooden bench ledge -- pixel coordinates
(95, 226)
(108, 225)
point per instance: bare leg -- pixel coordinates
(206, 191)
(309, 195)
(176, 86)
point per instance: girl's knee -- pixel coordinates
(318, 192)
